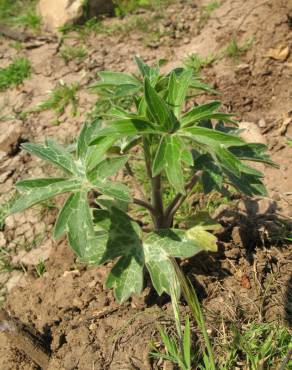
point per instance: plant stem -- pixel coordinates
(157, 202)
(179, 199)
(144, 204)
(156, 199)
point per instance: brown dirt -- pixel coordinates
(248, 277)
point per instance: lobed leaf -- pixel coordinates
(210, 137)
(158, 108)
(28, 184)
(37, 195)
(54, 153)
(205, 111)
(125, 127)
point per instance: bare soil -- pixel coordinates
(248, 278)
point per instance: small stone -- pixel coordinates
(35, 256)
(58, 13)
(10, 135)
(2, 240)
(262, 123)
(251, 133)
(17, 278)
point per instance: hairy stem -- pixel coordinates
(156, 199)
(179, 199)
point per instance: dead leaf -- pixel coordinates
(280, 52)
(245, 283)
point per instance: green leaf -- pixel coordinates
(113, 189)
(205, 111)
(202, 238)
(187, 343)
(109, 166)
(227, 160)
(144, 69)
(61, 225)
(173, 167)
(253, 152)
(54, 153)
(37, 195)
(88, 245)
(212, 178)
(109, 79)
(126, 277)
(160, 246)
(96, 153)
(125, 127)
(85, 136)
(159, 161)
(158, 108)
(24, 185)
(177, 90)
(210, 137)
(247, 184)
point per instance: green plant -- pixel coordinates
(124, 7)
(197, 63)
(69, 53)
(260, 346)
(40, 268)
(234, 50)
(59, 98)
(20, 13)
(15, 73)
(206, 12)
(180, 150)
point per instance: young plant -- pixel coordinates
(180, 149)
(197, 63)
(59, 98)
(234, 50)
(15, 73)
(69, 53)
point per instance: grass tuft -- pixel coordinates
(20, 13)
(234, 50)
(196, 63)
(15, 73)
(61, 97)
(69, 53)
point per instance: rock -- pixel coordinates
(2, 240)
(10, 134)
(17, 278)
(35, 256)
(58, 13)
(97, 7)
(262, 123)
(251, 133)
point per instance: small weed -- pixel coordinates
(196, 63)
(19, 13)
(61, 97)
(15, 73)
(5, 265)
(260, 346)
(40, 268)
(69, 53)
(206, 12)
(17, 45)
(234, 50)
(124, 7)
